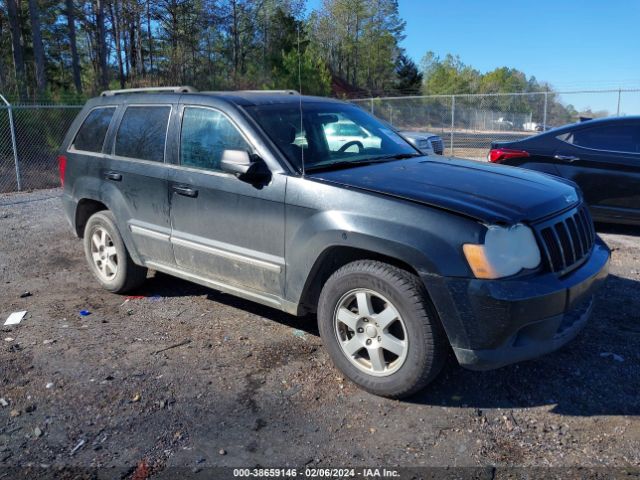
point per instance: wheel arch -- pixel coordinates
(91, 199)
(85, 209)
(333, 258)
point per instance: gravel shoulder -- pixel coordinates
(189, 377)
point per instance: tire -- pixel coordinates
(108, 258)
(360, 293)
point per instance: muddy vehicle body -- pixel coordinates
(401, 256)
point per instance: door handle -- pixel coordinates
(113, 176)
(185, 191)
(566, 158)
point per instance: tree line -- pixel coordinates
(450, 75)
(50, 48)
(61, 50)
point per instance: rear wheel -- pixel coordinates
(108, 257)
(380, 328)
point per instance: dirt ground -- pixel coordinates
(250, 386)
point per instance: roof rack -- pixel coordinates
(182, 89)
(285, 92)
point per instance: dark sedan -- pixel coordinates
(602, 156)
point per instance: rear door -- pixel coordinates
(136, 176)
(224, 229)
(604, 160)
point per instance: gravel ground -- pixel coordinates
(245, 385)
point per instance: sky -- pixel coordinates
(572, 44)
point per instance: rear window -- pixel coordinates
(142, 133)
(90, 137)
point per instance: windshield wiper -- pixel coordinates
(360, 163)
(397, 156)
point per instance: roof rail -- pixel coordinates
(182, 89)
(288, 92)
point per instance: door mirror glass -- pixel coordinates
(237, 162)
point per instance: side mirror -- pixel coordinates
(237, 162)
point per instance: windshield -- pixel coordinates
(329, 134)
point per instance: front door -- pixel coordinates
(223, 228)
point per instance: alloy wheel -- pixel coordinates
(103, 253)
(371, 332)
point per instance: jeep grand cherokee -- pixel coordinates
(400, 255)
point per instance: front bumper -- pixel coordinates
(491, 323)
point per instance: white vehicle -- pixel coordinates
(503, 124)
(427, 143)
(345, 135)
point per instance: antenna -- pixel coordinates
(300, 97)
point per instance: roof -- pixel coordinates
(594, 121)
(266, 97)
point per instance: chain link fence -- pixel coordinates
(469, 123)
(30, 135)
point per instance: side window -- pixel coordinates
(617, 138)
(90, 136)
(142, 133)
(205, 135)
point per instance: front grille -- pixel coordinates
(567, 240)
(437, 145)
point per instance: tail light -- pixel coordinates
(497, 155)
(62, 166)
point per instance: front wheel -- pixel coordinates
(380, 329)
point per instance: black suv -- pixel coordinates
(400, 255)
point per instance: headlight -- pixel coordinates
(505, 252)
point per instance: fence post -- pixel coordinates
(371, 105)
(13, 141)
(544, 114)
(453, 116)
(619, 95)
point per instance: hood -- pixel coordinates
(487, 192)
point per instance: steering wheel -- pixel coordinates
(347, 145)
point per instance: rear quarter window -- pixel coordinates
(90, 136)
(143, 132)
